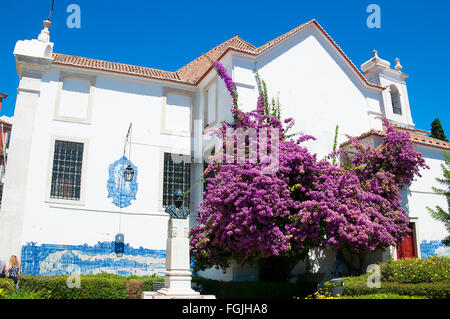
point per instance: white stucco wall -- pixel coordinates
(315, 84)
(116, 102)
(316, 87)
(421, 196)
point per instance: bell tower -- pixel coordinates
(394, 99)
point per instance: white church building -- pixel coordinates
(61, 206)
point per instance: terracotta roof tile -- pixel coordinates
(416, 136)
(271, 43)
(193, 72)
(5, 122)
(94, 64)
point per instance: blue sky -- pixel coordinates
(169, 34)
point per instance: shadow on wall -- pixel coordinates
(321, 263)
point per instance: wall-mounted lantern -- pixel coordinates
(119, 245)
(125, 191)
(128, 173)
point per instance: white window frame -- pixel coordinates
(82, 120)
(206, 106)
(164, 130)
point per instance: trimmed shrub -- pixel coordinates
(98, 286)
(383, 296)
(355, 286)
(90, 288)
(253, 290)
(135, 287)
(416, 270)
(7, 287)
(23, 295)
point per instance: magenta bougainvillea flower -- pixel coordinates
(247, 215)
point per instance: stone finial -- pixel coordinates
(35, 48)
(44, 36)
(374, 62)
(375, 54)
(398, 66)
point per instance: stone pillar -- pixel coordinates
(177, 278)
(16, 178)
(33, 59)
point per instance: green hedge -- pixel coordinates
(90, 287)
(416, 270)
(253, 290)
(383, 296)
(107, 286)
(355, 286)
(7, 287)
(101, 286)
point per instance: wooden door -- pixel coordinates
(407, 247)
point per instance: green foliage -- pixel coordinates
(439, 213)
(383, 296)
(437, 131)
(23, 295)
(357, 286)
(272, 108)
(266, 98)
(254, 290)
(99, 286)
(90, 288)
(416, 270)
(336, 133)
(403, 279)
(7, 287)
(134, 287)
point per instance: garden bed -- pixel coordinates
(425, 278)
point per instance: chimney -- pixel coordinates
(2, 96)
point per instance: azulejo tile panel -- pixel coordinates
(52, 260)
(120, 191)
(433, 248)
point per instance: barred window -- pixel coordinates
(66, 172)
(177, 175)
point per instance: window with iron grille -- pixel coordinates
(177, 175)
(66, 172)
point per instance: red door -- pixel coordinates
(407, 247)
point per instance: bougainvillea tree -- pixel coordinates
(274, 218)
